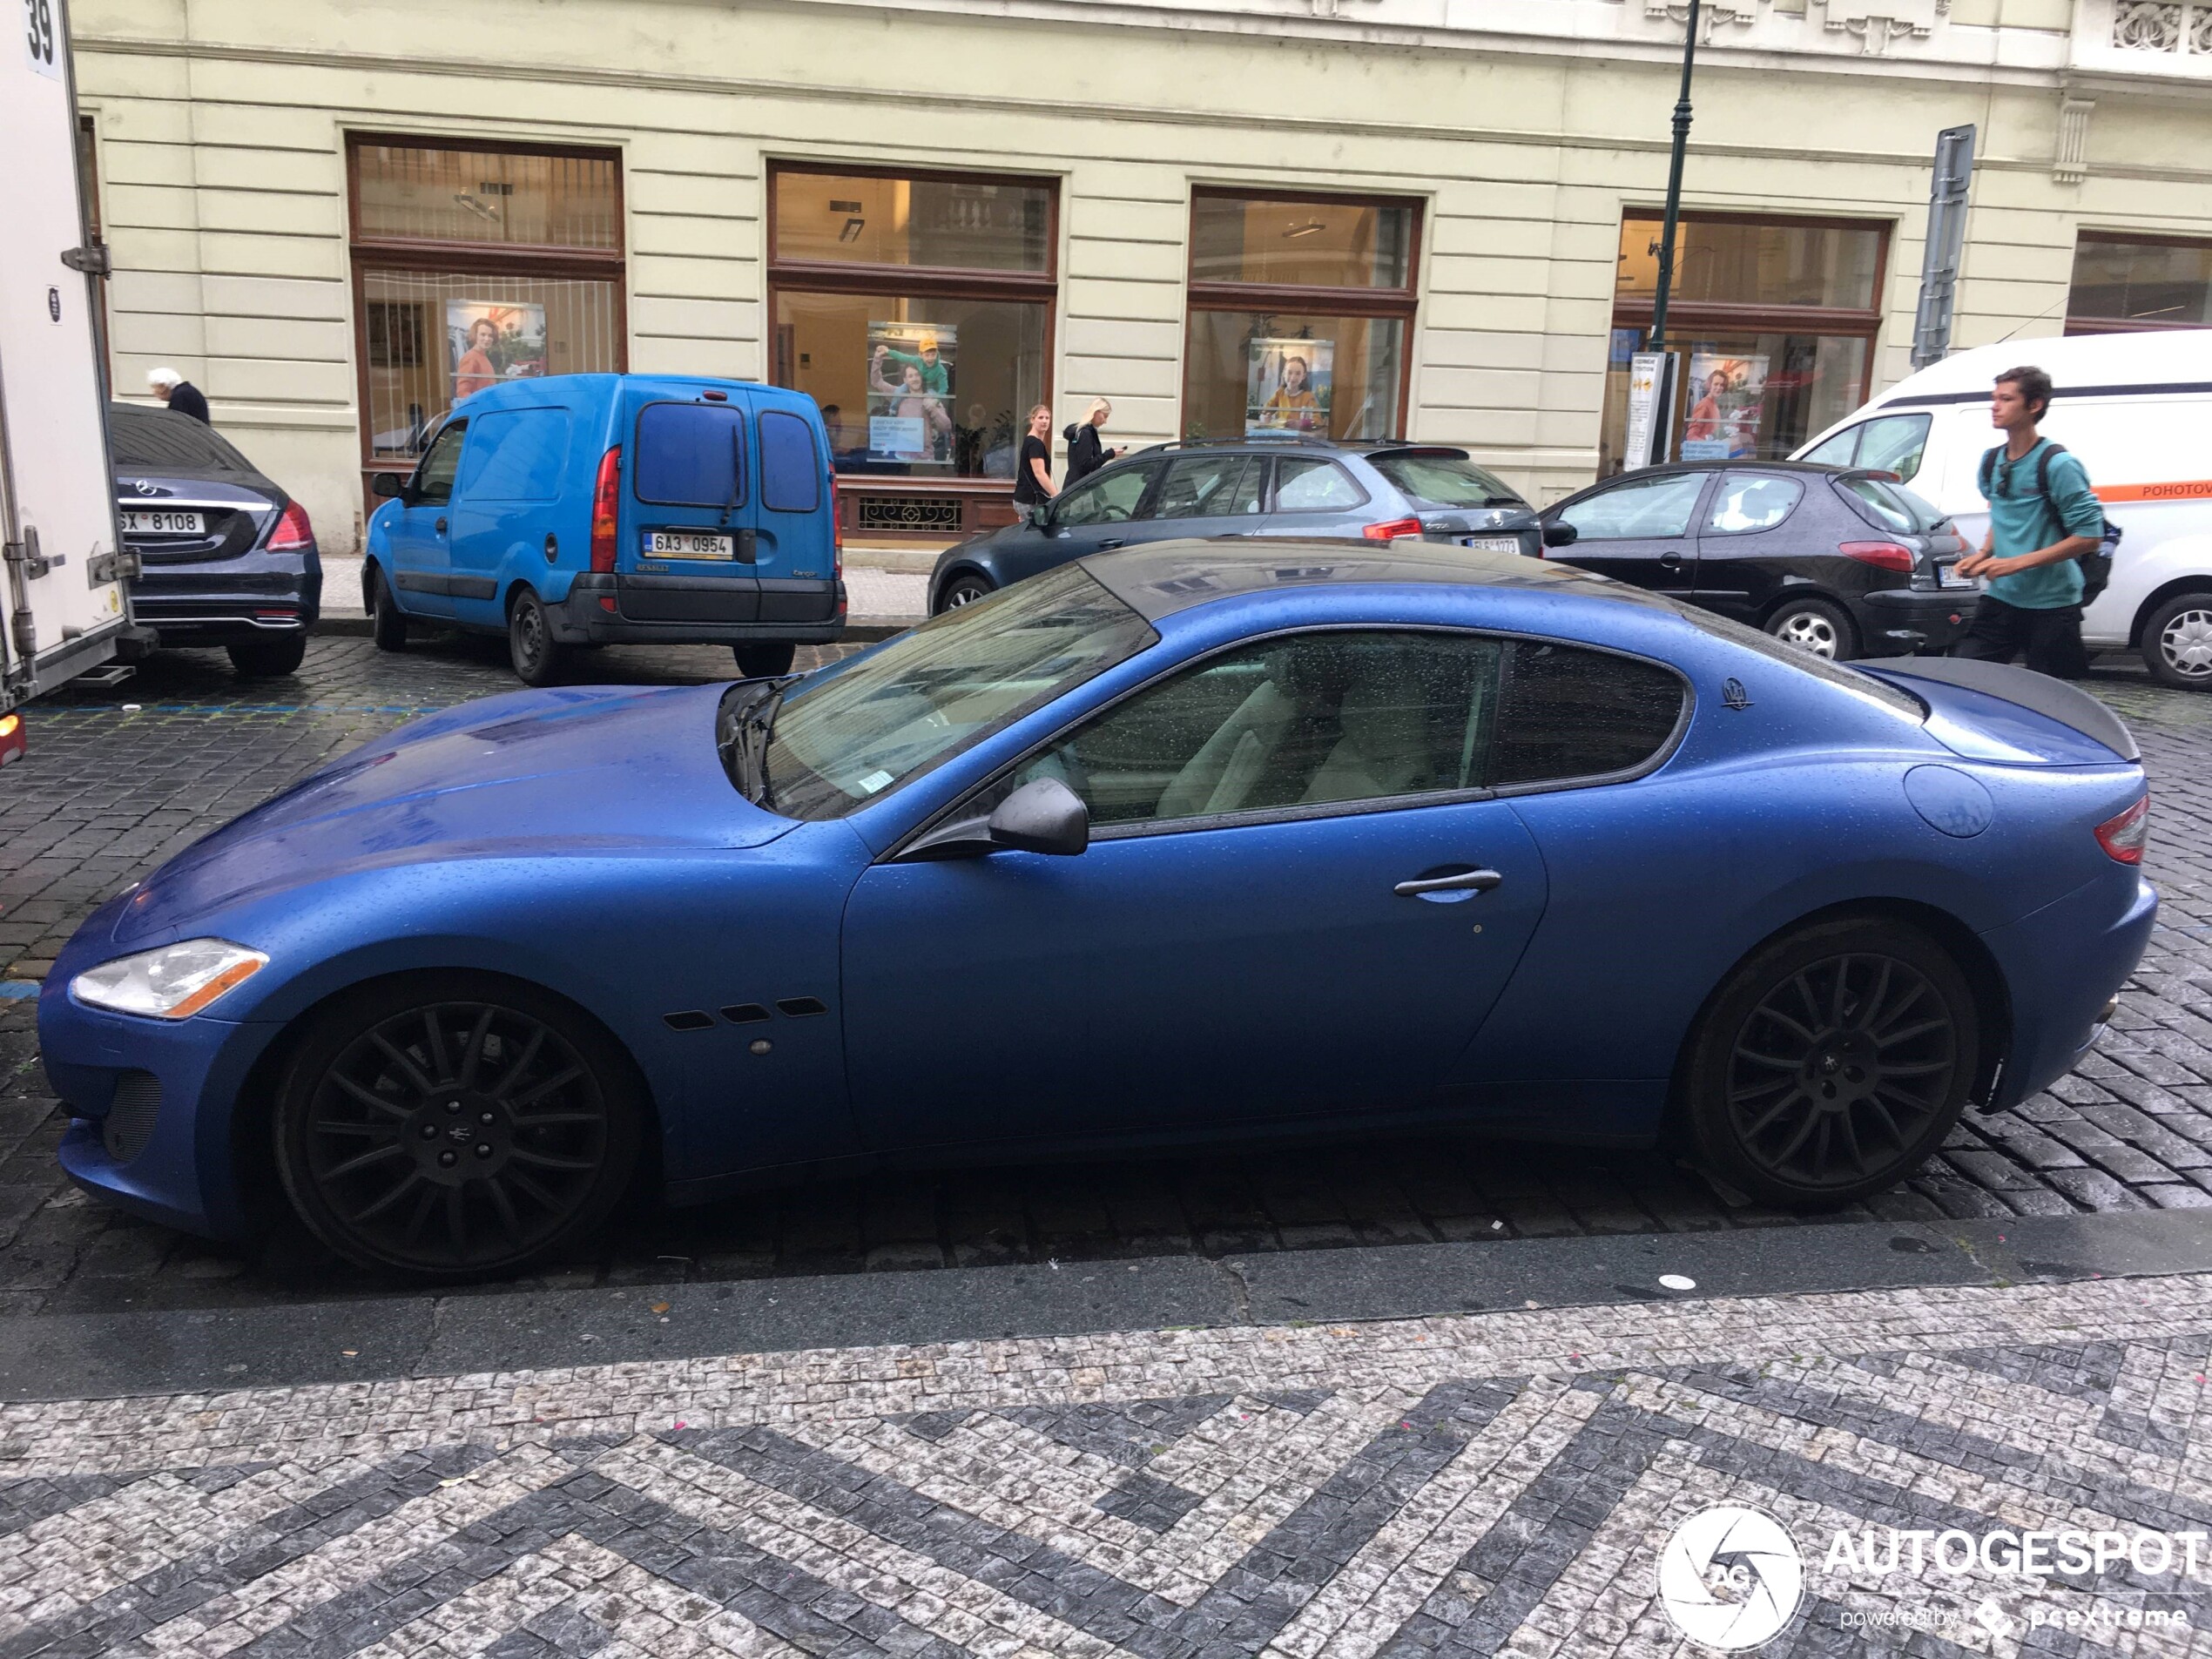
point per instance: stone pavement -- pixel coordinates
(110, 789)
(1506, 1482)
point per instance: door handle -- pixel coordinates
(441, 527)
(1465, 881)
(1671, 560)
(1118, 541)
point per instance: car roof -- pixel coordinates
(1159, 578)
(2147, 361)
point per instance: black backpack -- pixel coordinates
(2096, 567)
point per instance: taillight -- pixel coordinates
(606, 506)
(1888, 555)
(1396, 528)
(837, 531)
(293, 531)
(2122, 837)
(12, 743)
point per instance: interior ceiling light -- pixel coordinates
(851, 230)
(480, 209)
(1312, 227)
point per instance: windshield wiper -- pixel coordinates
(747, 727)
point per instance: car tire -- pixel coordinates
(1816, 626)
(963, 589)
(765, 660)
(388, 623)
(255, 659)
(2177, 641)
(450, 1126)
(1831, 1063)
(536, 656)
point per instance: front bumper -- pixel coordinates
(612, 608)
(1899, 620)
(2064, 965)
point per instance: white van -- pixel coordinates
(2137, 410)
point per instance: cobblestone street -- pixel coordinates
(117, 780)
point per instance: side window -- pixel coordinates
(1636, 508)
(1893, 443)
(516, 455)
(1750, 501)
(691, 455)
(1309, 719)
(1251, 494)
(1109, 498)
(434, 473)
(790, 473)
(1565, 712)
(1201, 486)
(1304, 485)
(1839, 450)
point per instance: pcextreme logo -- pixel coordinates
(1730, 1577)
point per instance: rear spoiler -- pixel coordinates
(2053, 699)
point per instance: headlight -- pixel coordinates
(173, 982)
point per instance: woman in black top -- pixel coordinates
(1085, 454)
(1033, 467)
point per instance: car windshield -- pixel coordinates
(1446, 481)
(163, 441)
(851, 732)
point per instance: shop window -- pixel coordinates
(2129, 283)
(474, 265)
(916, 309)
(1773, 322)
(1300, 309)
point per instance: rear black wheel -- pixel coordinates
(537, 656)
(963, 589)
(1831, 1063)
(265, 658)
(455, 1128)
(765, 660)
(386, 623)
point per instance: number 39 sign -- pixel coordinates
(40, 29)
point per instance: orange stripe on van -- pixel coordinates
(2183, 489)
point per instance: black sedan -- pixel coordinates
(1841, 561)
(227, 558)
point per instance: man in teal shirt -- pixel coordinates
(2031, 599)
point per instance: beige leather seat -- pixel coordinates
(1384, 749)
(1219, 777)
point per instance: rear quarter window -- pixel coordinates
(516, 454)
(691, 455)
(1565, 712)
(790, 473)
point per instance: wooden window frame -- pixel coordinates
(985, 501)
(2093, 325)
(1399, 304)
(428, 256)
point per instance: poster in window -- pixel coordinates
(490, 342)
(910, 392)
(1727, 398)
(1286, 385)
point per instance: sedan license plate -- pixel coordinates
(139, 523)
(1949, 576)
(1491, 543)
(690, 544)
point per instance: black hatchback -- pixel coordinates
(225, 557)
(1842, 560)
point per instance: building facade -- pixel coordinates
(1432, 217)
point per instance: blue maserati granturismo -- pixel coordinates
(1194, 841)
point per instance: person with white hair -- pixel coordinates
(1086, 455)
(179, 393)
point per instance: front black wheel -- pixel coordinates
(256, 659)
(537, 656)
(453, 1128)
(962, 591)
(1831, 1063)
(388, 623)
(763, 661)
(2177, 641)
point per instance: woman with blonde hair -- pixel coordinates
(1033, 469)
(1085, 454)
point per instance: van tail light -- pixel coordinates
(2122, 837)
(1887, 555)
(837, 531)
(293, 531)
(1393, 530)
(606, 505)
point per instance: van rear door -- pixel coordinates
(796, 560)
(688, 550)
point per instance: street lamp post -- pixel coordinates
(1658, 342)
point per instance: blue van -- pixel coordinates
(595, 509)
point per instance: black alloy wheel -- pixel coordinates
(1832, 1063)
(267, 658)
(1815, 625)
(963, 589)
(765, 660)
(387, 624)
(537, 656)
(456, 1136)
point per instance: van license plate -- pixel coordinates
(1491, 543)
(689, 545)
(142, 523)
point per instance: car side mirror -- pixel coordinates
(387, 484)
(1043, 816)
(1560, 533)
